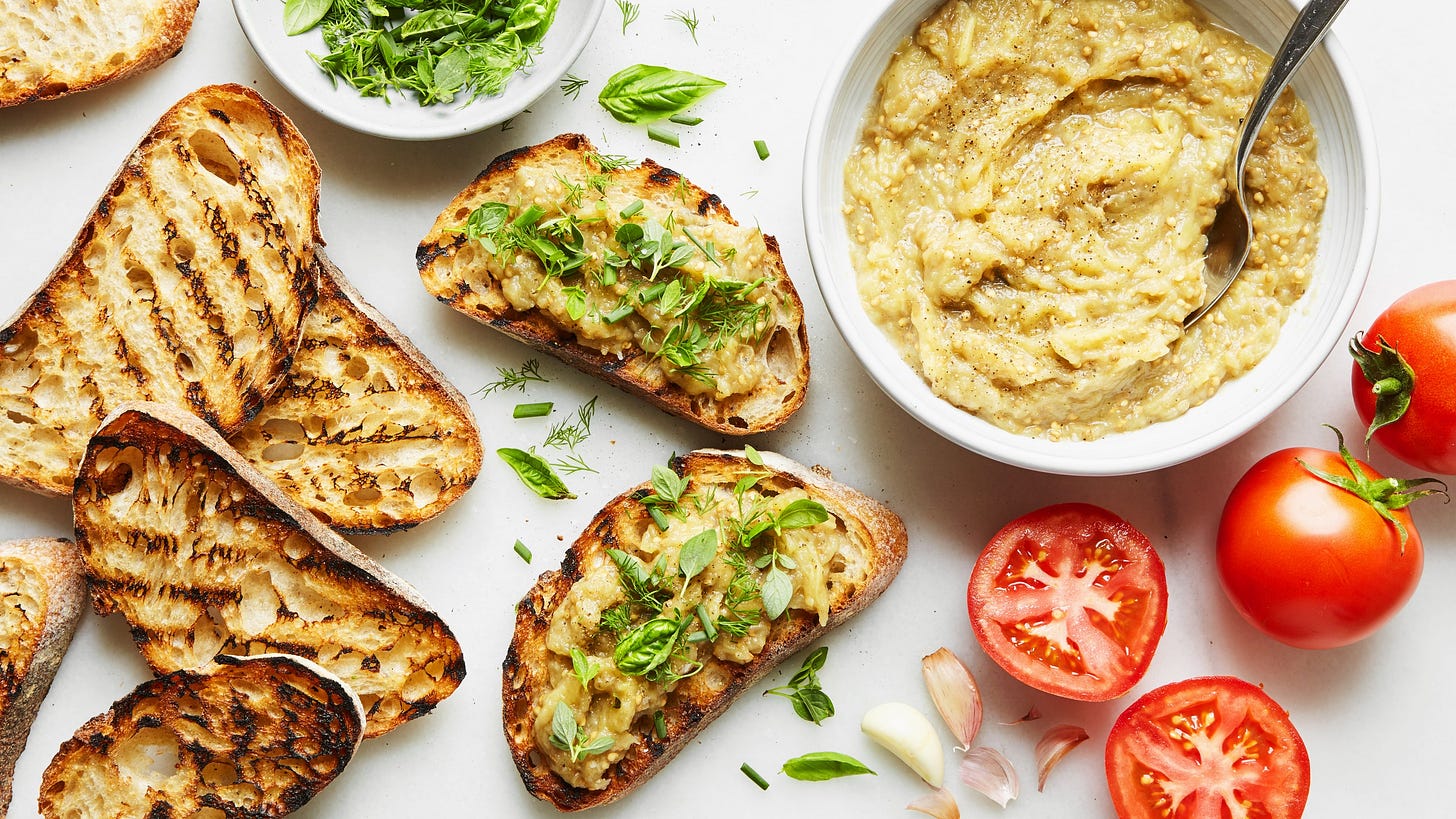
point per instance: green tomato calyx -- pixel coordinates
(1391, 379)
(1383, 495)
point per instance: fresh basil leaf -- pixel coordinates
(746, 483)
(452, 71)
(802, 513)
(301, 15)
(434, 21)
(601, 744)
(535, 473)
(816, 658)
(752, 455)
(646, 93)
(777, 590)
(666, 483)
(563, 726)
(531, 19)
(824, 765)
(697, 553)
(812, 705)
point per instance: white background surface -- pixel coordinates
(1373, 715)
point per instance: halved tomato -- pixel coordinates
(1209, 747)
(1070, 600)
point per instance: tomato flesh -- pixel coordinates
(1071, 600)
(1207, 748)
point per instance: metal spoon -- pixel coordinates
(1231, 233)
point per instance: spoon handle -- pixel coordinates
(1309, 28)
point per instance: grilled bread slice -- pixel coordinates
(42, 594)
(624, 599)
(57, 47)
(188, 284)
(716, 335)
(203, 555)
(244, 737)
(364, 431)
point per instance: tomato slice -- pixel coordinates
(1207, 748)
(1071, 600)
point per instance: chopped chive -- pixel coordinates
(632, 209)
(762, 148)
(657, 133)
(523, 551)
(659, 724)
(620, 312)
(652, 293)
(532, 410)
(658, 518)
(749, 772)
(708, 627)
(528, 217)
(608, 276)
(685, 119)
(698, 637)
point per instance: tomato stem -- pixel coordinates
(1384, 495)
(1391, 379)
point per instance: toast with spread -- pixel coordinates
(58, 47)
(245, 736)
(42, 596)
(188, 284)
(203, 555)
(680, 594)
(364, 431)
(629, 273)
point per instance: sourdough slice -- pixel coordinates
(838, 567)
(188, 284)
(752, 383)
(57, 47)
(203, 555)
(244, 737)
(42, 594)
(364, 431)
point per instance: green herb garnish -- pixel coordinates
(570, 737)
(689, 19)
(537, 410)
(616, 619)
(584, 668)
(629, 13)
(824, 765)
(685, 119)
(762, 148)
(749, 772)
(571, 85)
(642, 588)
(514, 379)
(535, 473)
(696, 555)
(522, 551)
(657, 133)
(808, 698)
(659, 725)
(642, 94)
(568, 435)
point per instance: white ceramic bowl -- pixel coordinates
(1315, 326)
(287, 59)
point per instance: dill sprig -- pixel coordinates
(571, 85)
(515, 379)
(629, 13)
(689, 19)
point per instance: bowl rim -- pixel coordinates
(527, 86)
(960, 426)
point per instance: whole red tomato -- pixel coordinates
(1402, 378)
(1314, 564)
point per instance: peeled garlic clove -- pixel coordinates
(1053, 746)
(955, 694)
(906, 733)
(990, 772)
(938, 803)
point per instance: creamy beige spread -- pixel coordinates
(720, 364)
(1028, 201)
(621, 705)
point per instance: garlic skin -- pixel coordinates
(990, 772)
(906, 733)
(1053, 746)
(955, 693)
(938, 803)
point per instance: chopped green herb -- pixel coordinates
(537, 410)
(616, 619)
(514, 379)
(659, 725)
(689, 19)
(571, 85)
(685, 119)
(524, 552)
(569, 434)
(749, 772)
(762, 148)
(803, 691)
(301, 15)
(657, 133)
(629, 13)
(643, 588)
(535, 473)
(824, 765)
(632, 209)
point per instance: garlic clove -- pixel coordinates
(990, 772)
(939, 803)
(1053, 746)
(955, 693)
(1032, 714)
(906, 733)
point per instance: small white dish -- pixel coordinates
(1315, 326)
(288, 60)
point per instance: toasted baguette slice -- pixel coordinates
(839, 567)
(242, 737)
(203, 556)
(58, 47)
(188, 284)
(364, 432)
(754, 384)
(42, 595)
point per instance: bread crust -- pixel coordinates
(28, 662)
(690, 708)
(637, 372)
(251, 737)
(164, 27)
(149, 303)
(186, 595)
(383, 441)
